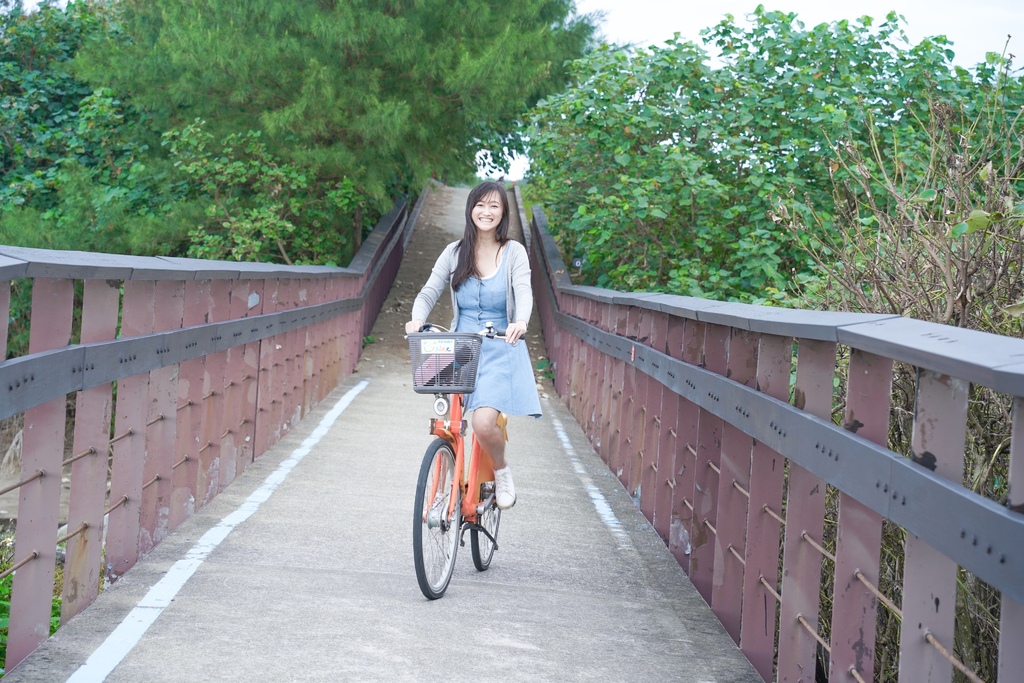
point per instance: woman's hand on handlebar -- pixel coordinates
(413, 326)
(515, 332)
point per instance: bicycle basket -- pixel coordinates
(444, 362)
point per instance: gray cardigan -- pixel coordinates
(519, 306)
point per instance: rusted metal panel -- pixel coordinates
(101, 302)
(1011, 614)
(929, 577)
(212, 406)
(668, 439)
(767, 476)
(707, 459)
(730, 538)
(859, 532)
(39, 500)
(161, 424)
(185, 478)
(294, 351)
(805, 514)
(605, 372)
(129, 440)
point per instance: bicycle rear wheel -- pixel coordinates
(483, 547)
(435, 533)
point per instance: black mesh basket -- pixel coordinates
(444, 362)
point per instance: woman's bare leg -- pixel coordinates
(490, 436)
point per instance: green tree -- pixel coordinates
(379, 94)
(659, 155)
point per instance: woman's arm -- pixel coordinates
(440, 275)
(522, 290)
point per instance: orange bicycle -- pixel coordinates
(452, 495)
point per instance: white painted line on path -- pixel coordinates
(604, 511)
(128, 633)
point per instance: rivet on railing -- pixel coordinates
(951, 658)
(73, 458)
(226, 432)
(814, 544)
(186, 404)
(775, 593)
(692, 450)
(208, 444)
(873, 589)
(15, 567)
(671, 483)
(125, 435)
(654, 466)
(81, 527)
(814, 632)
(152, 481)
(739, 488)
(38, 475)
(124, 499)
(773, 514)
(155, 420)
(713, 529)
(212, 393)
(713, 466)
(179, 463)
(736, 554)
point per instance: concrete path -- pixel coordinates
(302, 569)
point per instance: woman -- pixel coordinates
(489, 278)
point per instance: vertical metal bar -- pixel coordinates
(929, 577)
(668, 439)
(234, 370)
(39, 500)
(767, 476)
(265, 425)
(212, 401)
(130, 416)
(1011, 614)
(859, 534)
(293, 352)
(625, 451)
(589, 379)
(705, 485)
(688, 423)
(249, 384)
(161, 425)
(5, 316)
(605, 366)
(727, 587)
(185, 477)
(577, 364)
(805, 513)
(650, 467)
(620, 316)
(101, 302)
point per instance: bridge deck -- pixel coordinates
(318, 583)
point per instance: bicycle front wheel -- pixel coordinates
(483, 547)
(435, 532)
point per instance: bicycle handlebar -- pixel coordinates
(491, 332)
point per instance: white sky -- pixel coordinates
(974, 26)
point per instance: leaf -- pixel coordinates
(622, 159)
(977, 220)
(926, 196)
(1016, 309)
(984, 173)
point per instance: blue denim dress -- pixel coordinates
(504, 379)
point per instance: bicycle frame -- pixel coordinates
(480, 467)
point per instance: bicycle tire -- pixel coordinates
(435, 539)
(483, 548)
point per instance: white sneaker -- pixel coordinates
(504, 489)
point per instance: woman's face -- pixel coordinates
(487, 212)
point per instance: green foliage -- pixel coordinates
(258, 208)
(72, 171)
(658, 155)
(382, 93)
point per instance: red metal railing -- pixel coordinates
(696, 407)
(213, 363)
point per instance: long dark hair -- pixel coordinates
(465, 268)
